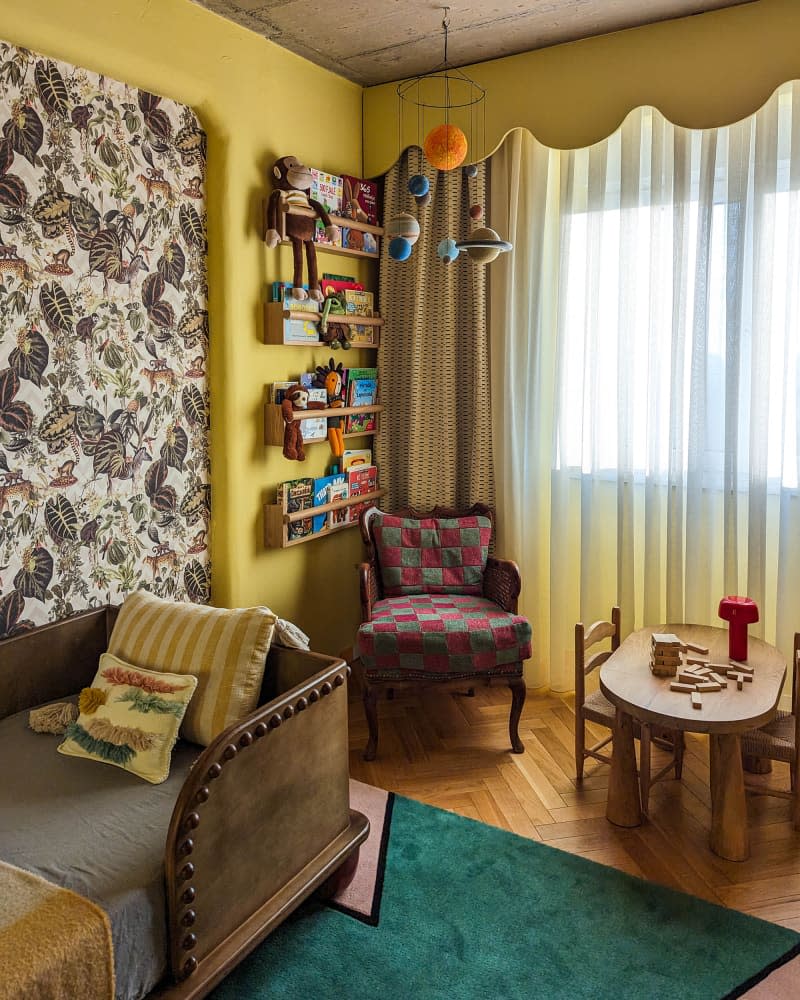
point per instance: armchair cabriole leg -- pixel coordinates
(371, 712)
(518, 692)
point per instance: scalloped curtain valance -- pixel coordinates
(645, 338)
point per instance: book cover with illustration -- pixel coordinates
(358, 302)
(356, 239)
(332, 286)
(327, 190)
(360, 199)
(293, 495)
(321, 486)
(316, 429)
(362, 479)
(356, 457)
(300, 331)
(338, 491)
(362, 390)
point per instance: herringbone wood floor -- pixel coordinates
(452, 751)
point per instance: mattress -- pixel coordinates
(97, 830)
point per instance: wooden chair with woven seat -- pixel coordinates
(437, 610)
(597, 708)
(778, 740)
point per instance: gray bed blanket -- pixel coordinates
(97, 830)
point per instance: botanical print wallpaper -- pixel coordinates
(104, 475)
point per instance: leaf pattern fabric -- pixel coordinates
(104, 416)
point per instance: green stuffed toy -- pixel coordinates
(331, 332)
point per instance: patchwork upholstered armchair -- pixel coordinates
(436, 609)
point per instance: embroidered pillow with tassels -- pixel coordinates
(130, 718)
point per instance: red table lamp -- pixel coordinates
(739, 612)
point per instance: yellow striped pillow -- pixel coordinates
(224, 649)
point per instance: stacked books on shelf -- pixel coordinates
(359, 388)
(358, 478)
(362, 477)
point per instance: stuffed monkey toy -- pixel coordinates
(293, 181)
(295, 398)
(329, 377)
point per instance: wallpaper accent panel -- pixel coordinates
(104, 418)
(434, 440)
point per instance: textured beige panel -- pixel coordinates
(435, 438)
(374, 41)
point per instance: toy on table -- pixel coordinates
(330, 378)
(739, 612)
(295, 398)
(293, 181)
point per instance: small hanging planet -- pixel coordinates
(471, 170)
(476, 212)
(447, 250)
(419, 185)
(399, 248)
(483, 245)
(424, 199)
(445, 147)
(405, 225)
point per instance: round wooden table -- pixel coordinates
(626, 680)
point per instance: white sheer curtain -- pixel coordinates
(645, 363)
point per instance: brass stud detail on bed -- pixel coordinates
(338, 680)
(288, 712)
(189, 942)
(186, 848)
(275, 721)
(326, 689)
(189, 966)
(188, 918)
(229, 752)
(202, 794)
(302, 705)
(186, 872)
(260, 731)
(313, 695)
(191, 821)
(245, 740)
(214, 771)
(188, 895)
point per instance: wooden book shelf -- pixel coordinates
(337, 220)
(277, 521)
(274, 424)
(275, 317)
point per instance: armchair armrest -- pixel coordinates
(502, 583)
(368, 581)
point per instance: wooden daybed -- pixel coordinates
(262, 818)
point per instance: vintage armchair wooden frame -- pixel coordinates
(412, 666)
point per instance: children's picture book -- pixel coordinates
(362, 479)
(278, 390)
(356, 457)
(293, 495)
(316, 429)
(332, 286)
(358, 302)
(321, 486)
(327, 190)
(300, 331)
(360, 199)
(338, 491)
(356, 239)
(320, 236)
(362, 390)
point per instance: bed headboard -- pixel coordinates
(104, 476)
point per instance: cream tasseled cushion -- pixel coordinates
(224, 649)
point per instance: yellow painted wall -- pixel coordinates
(256, 102)
(700, 71)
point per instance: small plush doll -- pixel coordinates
(329, 377)
(331, 331)
(293, 181)
(295, 398)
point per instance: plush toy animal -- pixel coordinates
(300, 212)
(331, 331)
(295, 398)
(329, 378)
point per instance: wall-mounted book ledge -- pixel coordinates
(274, 423)
(277, 521)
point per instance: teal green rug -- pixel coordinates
(469, 912)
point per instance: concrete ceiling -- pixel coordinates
(375, 41)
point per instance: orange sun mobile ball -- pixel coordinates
(445, 147)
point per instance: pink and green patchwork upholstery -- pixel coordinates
(451, 635)
(431, 555)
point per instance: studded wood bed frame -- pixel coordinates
(263, 818)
